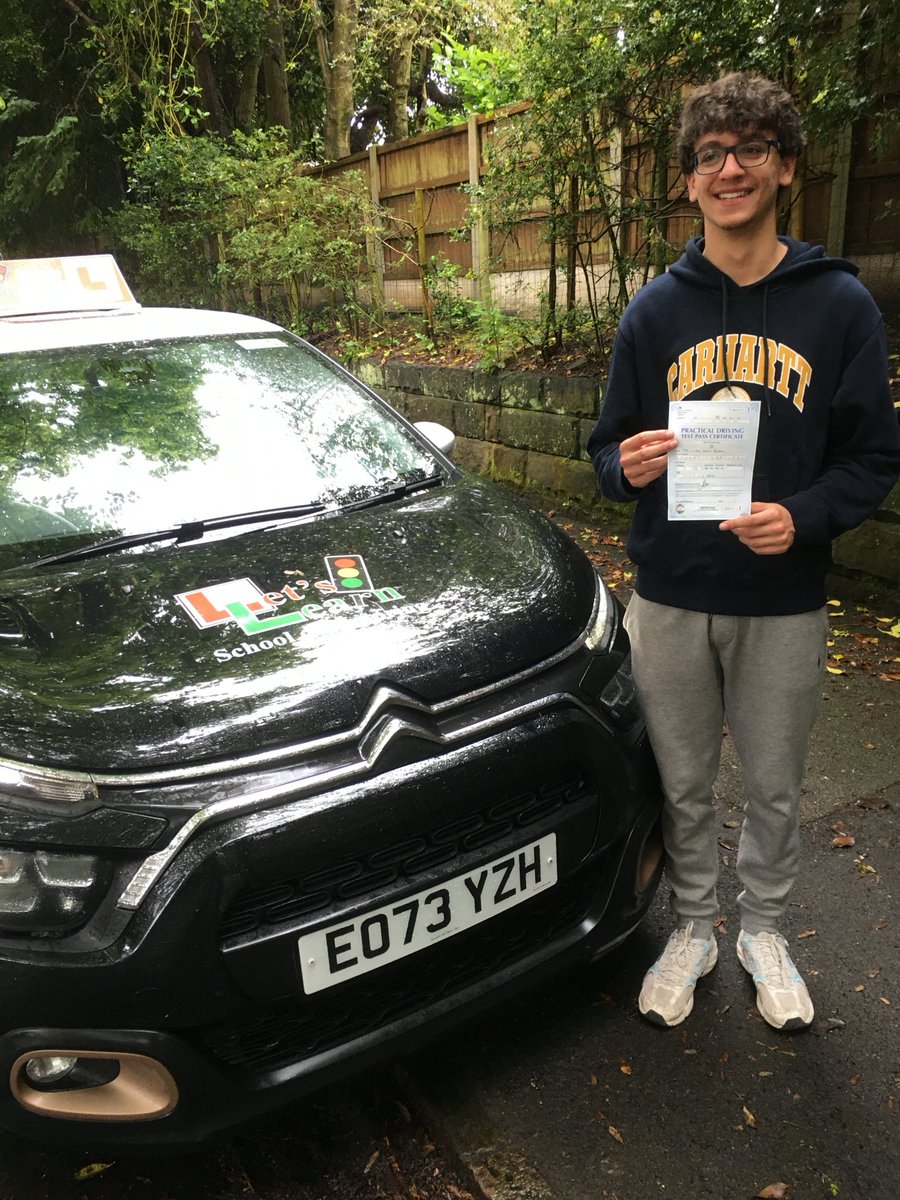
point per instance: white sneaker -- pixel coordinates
(667, 994)
(781, 994)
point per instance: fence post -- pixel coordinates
(481, 235)
(840, 187)
(427, 305)
(840, 184)
(374, 244)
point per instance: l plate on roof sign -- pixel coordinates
(84, 283)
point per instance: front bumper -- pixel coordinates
(204, 976)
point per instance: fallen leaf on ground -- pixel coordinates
(91, 1170)
(625, 1068)
(774, 1191)
(614, 1133)
(806, 933)
(749, 1117)
(855, 1080)
(872, 802)
(842, 841)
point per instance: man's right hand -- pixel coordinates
(645, 456)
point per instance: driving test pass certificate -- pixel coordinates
(710, 471)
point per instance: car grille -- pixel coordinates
(282, 901)
(292, 1032)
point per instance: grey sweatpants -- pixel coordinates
(763, 675)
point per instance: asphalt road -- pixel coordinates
(570, 1095)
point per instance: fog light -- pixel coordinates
(70, 1073)
(45, 894)
(94, 1085)
(53, 1068)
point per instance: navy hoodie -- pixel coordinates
(808, 342)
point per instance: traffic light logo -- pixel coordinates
(348, 574)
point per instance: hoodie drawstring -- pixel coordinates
(765, 336)
(765, 333)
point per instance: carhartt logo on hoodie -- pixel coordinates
(747, 356)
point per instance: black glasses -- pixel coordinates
(711, 159)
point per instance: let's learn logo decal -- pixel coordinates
(242, 603)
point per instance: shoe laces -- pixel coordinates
(773, 960)
(680, 957)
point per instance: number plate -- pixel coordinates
(383, 935)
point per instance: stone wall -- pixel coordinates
(530, 430)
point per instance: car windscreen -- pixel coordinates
(119, 439)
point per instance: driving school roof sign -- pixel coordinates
(84, 283)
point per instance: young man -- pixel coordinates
(728, 618)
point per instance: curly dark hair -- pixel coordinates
(739, 103)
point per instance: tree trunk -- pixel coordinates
(572, 244)
(658, 223)
(339, 82)
(278, 105)
(217, 121)
(399, 72)
(246, 100)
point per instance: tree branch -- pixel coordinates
(98, 29)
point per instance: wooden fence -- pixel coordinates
(847, 197)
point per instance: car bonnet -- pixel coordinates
(178, 655)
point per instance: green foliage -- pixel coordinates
(469, 325)
(481, 80)
(168, 227)
(57, 167)
(497, 336)
(239, 224)
(453, 311)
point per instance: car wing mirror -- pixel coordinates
(438, 435)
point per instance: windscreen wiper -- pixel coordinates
(393, 492)
(187, 531)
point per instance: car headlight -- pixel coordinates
(602, 629)
(24, 786)
(44, 893)
(608, 679)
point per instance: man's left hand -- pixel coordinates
(769, 529)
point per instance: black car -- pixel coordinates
(311, 744)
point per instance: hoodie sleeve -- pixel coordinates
(862, 452)
(620, 418)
